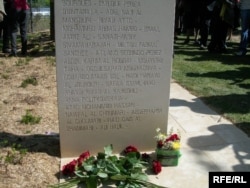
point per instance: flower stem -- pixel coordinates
(134, 180)
(67, 184)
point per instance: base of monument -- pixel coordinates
(159, 179)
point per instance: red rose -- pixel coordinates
(173, 137)
(82, 157)
(156, 167)
(130, 149)
(69, 168)
(159, 144)
(145, 157)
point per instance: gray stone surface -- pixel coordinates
(114, 61)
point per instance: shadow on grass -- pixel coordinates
(237, 76)
(39, 45)
(33, 143)
(194, 54)
(235, 72)
(239, 104)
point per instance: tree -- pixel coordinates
(40, 3)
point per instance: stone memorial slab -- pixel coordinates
(114, 60)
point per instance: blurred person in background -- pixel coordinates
(205, 20)
(244, 6)
(6, 27)
(19, 14)
(2, 13)
(191, 12)
(178, 19)
(222, 20)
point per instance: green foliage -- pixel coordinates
(15, 153)
(39, 3)
(22, 61)
(30, 80)
(28, 118)
(51, 61)
(5, 76)
(124, 171)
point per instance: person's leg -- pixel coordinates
(245, 22)
(23, 30)
(188, 25)
(196, 36)
(13, 43)
(204, 31)
(6, 35)
(13, 31)
(222, 37)
(214, 35)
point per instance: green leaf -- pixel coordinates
(101, 164)
(119, 177)
(101, 155)
(133, 185)
(112, 168)
(91, 182)
(88, 167)
(90, 160)
(140, 176)
(108, 150)
(133, 155)
(113, 158)
(80, 174)
(102, 175)
(139, 165)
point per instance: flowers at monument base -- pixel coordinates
(126, 170)
(69, 168)
(169, 141)
(156, 166)
(129, 149)
(168, 147)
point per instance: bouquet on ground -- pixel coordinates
(168, 147)
(128, 170)
(169, 141)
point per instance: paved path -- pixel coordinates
(209, 143)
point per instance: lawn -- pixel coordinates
(222, 81)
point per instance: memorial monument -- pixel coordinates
(114, 60)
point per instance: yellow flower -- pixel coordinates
(176, 145)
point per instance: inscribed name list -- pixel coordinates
(113, 62)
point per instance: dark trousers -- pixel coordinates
(6, 33)
(219, 30)
(19, 20)
(205, 26)
(6, 27)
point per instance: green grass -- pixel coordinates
(28, 118)
(15, 153)
(222, 81)
(29, 80)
